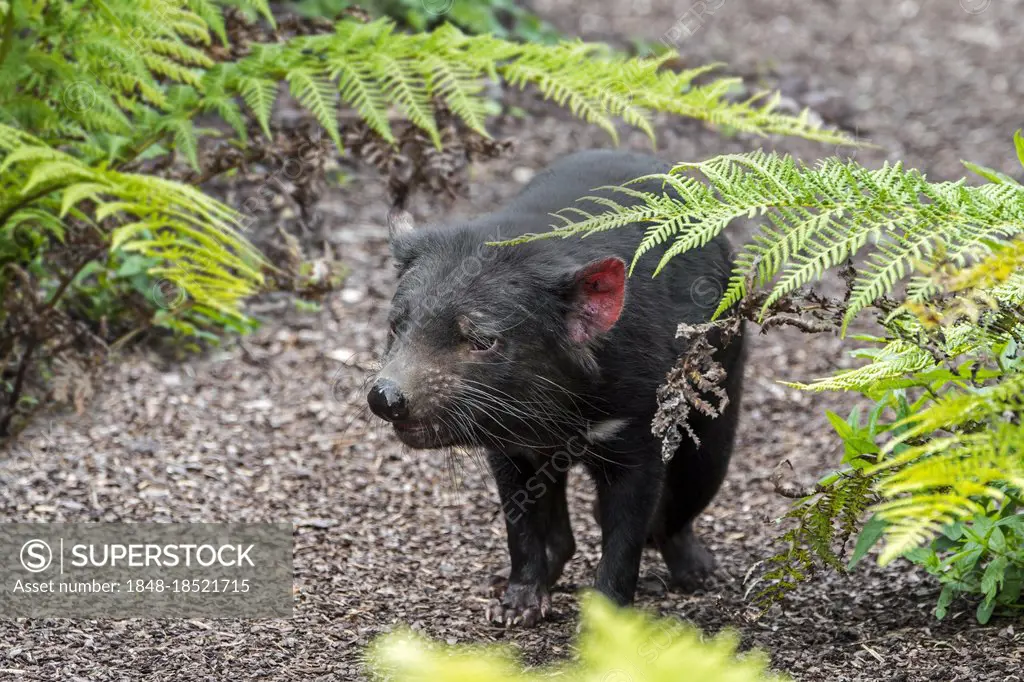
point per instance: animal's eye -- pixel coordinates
(483, 344)
(477, 341)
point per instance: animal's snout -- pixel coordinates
(387, 401)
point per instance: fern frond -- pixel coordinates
(196, 237)
(186, 140)
(897, 359)
(942, 480)
(170, 69)
(375, 67)
(820, 217)
(460, 88)
(1003, 267)
(823, 522)
(403, 86)
(360, 89)
(589, 223)
(227, 108)
(318, 95)
(259, 95)
(210, 13)
(958, 409)
(565, 92)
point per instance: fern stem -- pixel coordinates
(19, 382)
(133, 153)
(66, 282)
(1013, 498)
(6, 215)
(8, 35)
(199, 179)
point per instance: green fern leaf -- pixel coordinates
(318, 95)
(211, 15)
(358, 87)
(259, 95)
(403, 86)
(186, 140)
(79, 192)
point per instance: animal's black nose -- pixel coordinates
(387, 401)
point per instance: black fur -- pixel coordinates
(480, 355)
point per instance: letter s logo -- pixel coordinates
(36, 556)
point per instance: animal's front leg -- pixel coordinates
(526, 599)
(627, 499)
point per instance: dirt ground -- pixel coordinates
(274, 428)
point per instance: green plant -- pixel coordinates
(500, 18)
(374, 68)
(180, 232)
(615, 645)
(823, 518)
(983, 556)
(943, 444)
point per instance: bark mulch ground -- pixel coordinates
(274, 428)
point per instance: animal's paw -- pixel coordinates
(522, 605)
(689, 562)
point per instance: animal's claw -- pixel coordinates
(524, 605)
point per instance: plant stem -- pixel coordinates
(8, 34)
(133, 154)
(26, 358)
(32, 342)
(1013, 498)
(90, 257)
(5, 216)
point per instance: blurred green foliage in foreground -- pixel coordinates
(615, 645)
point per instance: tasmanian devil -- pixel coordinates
(545, 355)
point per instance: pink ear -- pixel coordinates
(600, 291)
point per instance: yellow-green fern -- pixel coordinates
(614, 644)
(197, 236)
